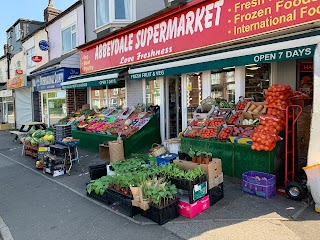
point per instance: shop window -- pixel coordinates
(17, 65)
(152, 92)
(257, 80)
(69, 38)
(117, 97)
(17, 32)
(223, 84)
(1, 77)
(30, 54)
(194, 93)
(99, 97)
(113, 11)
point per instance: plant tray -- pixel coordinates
(98, 197)
(123, 202)
(187, 184)
(165, 160)
(216, 194)
(196, 192)
(162, 215)
(97, 171)
(129, 196)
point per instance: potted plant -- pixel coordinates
(199, 157)
(182, 155)
(192, 154)
(207, 156)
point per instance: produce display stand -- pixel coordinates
(236, 158)
(138, 142)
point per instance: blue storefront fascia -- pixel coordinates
(67, 73)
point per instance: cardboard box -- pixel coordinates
(5, 126)
(213, 182)
(191, 210)
(104, 152)
(212, 170)
(245, 115)
(256, 115)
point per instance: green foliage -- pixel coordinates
(99, 186)
(191, 153)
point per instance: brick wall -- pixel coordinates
(75, 99)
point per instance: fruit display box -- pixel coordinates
(259, 184)
(190, 210)
(166, 158)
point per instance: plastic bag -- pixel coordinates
(313, 174)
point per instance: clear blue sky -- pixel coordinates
(12, 10)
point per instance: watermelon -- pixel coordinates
(49, 133)
(32, 131)
(27, 139)
(34, 141)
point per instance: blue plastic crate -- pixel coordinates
(166, 158)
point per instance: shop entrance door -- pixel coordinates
(173, 106)
(8, 111)
(54, 107)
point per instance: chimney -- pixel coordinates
(50, 12)
(6, 48)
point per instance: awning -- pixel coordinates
(281, 51)
(93, 80)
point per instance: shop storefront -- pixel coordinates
(52, 98)
(7, 107)
(18, 108)
(104, 89)
(181, 63)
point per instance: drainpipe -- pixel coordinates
(84, 20)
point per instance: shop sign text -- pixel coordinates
(196, 25)
(290, 54)
(17, 82)
(151, 74)
(90, 84)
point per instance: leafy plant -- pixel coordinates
(99, 186)
(191, 153)
(198, 153)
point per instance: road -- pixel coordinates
(34, 207)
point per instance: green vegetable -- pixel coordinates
(32, 131)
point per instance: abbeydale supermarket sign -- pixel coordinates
(196, 25)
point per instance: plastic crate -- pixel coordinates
(97, 171)
(253, 183)
(195, 192)
(163, 159)
(162, 215)
(121, 201)
(216, 194)
(98, 197)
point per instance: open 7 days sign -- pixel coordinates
(196, 25)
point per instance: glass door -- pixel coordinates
(8, 110)
(173, 107)
(54, 107)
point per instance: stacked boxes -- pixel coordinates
(61, 132)
(53, 164)
(214, 177)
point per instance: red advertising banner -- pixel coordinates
(306, 67)
(196, 25)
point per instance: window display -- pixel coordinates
(223, 85)
(99, 97)
(194, 93)
(152, 92)
(257, 80)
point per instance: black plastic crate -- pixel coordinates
(187, 185)
(97, 171)
(216, 194)
(98, 197)
(122, 202)
(162, 215)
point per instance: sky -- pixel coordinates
(12, 10)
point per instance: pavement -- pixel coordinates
(34, 205)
